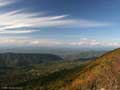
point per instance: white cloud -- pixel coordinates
(6, 2)
(18, 19)
(50, 42)
(90, 24)
(16, 31)
(25, 42)
(21, 19)
(13, 22)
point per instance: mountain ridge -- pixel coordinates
(26, 59)
(101, 74)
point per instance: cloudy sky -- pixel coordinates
(60, 23)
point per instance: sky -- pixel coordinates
(74, 23)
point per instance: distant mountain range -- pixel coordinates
(61, 51)
(26, 59)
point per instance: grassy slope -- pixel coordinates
(102, 73)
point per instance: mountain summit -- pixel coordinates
(101, 74)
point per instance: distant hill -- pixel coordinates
(25, 59)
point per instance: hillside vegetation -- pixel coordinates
(44, 76)
(101, 74)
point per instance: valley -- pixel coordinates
(82, 74)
